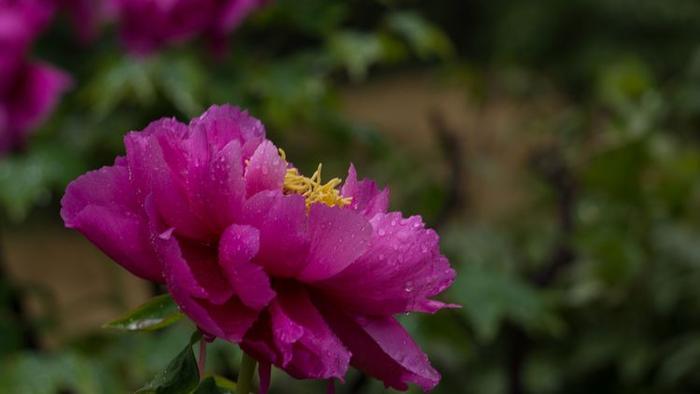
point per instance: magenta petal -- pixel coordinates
(233, 318)
(190, 267)
(382, 348)
(225, 123)
(266, 169)
(338, 237)
(366, 196)
(224, 187)
(398, 273)
(281, 221)
(205, 268)
(230, 319)
(237, 246)
(101, 205)
(302, 342)
(155, 170)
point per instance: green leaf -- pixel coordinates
(179, 377)
(356, 51)
(159, 312)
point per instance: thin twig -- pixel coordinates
(553, 168)
(452, 149)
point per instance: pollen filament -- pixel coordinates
(313, 189)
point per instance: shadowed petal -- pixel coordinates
(382, 348)
(192, 268)
(195, 285)
(296, 338)
(238, 245)
(103, 207)
(281, 220)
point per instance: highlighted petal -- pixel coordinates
(338, 237)
(266, 169)
(366, 196)
(225, 123)
(398, 273)
(152, 173)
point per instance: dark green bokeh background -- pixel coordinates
(553, 144)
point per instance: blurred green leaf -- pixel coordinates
(181, 80)
(489, 297)
(28, 180)
(684, 360)
(120, 79)
(52, 373)
(424, 38)
(157, 313)
(356, 51)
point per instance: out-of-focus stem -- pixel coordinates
(245, 374)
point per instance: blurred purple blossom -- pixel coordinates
(28, 90)
(147, 25)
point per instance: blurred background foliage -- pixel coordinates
(556, 150)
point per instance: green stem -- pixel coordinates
(245, 374)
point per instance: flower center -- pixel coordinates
(313, 189)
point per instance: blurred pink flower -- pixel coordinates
(86, 16)
(28, 90)
(147, 25)
(299, 273)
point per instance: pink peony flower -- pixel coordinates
(147, 25)
(302, 275)
(28, 91)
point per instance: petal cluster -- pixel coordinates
(28, 90)
(147, 25)
(311, 289)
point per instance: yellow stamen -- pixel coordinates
(313, 189)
